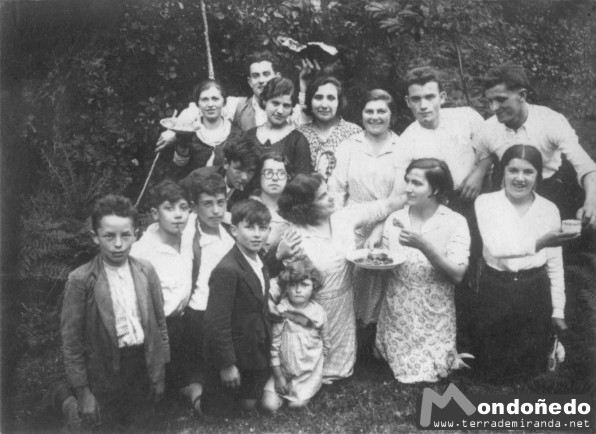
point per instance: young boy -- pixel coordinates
(113, 326)
(209, 243)
(236, 323)
(170, 254)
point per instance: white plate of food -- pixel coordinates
(375, 259)
(179, 126)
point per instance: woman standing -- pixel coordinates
(367, 164)
(277, 134)
(327, 237)
(325, 102)
(416, 329)
(522, 284)
(205, 146)
(274, 175)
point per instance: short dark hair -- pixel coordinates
(169, 191)
(437, 174)
(252, 211)
(312, 88)
(296, 202)
(524, 152)
(211, 184)
(255, 186)
(277, 86)
(262, 56)
(423, 75)
(205, 85)
(514, 77)
(298, 271)
(113, 204)
(241, 150)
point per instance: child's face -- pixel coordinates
(172, 217)
(250, 237)
(300, 293)
(210, 209)
(114, 236)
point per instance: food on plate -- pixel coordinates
(375, 258)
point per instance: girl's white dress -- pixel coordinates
(299, 344)
(416, 328)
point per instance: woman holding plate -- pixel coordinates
(367, 164)
(327, 238)
(416, 328)
(201, 132)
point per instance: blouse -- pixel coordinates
(294, 146)
(510, 239)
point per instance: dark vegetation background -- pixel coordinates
(84, 84)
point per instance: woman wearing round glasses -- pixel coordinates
(273, 178)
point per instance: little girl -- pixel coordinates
(299, 341)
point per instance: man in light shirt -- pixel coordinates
(518, 122)
(170, 254)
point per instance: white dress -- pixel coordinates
(298, 346)
(416, 328)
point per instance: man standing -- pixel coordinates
(518, 122)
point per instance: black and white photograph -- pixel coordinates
(297, 216)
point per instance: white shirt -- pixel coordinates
(544, 129)
(510, 239)
(173, 268)
(257, 267)
(124, 301)
(213, 249)
(451, 141)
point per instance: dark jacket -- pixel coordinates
(236, 320)
(90, 345)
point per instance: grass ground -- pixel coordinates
(370, 402)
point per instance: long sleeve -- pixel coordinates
(157, 298)
(218, 316)
(338, 183)
(276, 333)
(72, 330)
(302, 162)
(554, 267)
(324, 330)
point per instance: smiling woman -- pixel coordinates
(277, 134)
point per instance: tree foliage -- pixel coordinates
(93, 121)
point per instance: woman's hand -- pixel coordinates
(375, 237)
(414, 240)
(165, 139)
(559, 325)
(289, 245)
(157, 390)
(230, 377)
(281, 385)
(554, 238)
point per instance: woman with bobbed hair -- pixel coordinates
(522, 284)
(327, 237)
(324, 104)
(276, 134)
(416, 329)
(367, 166)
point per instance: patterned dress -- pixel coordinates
(416, 329)
(336, 296)
(361, 177)
(323, 151)
(299, 343)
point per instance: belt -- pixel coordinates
(511, 276)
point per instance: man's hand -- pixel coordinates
(230, 377)
(88, 407)
(587, 214)
(157, 390)
(471, 187)
(281, 385)
(307, 70)
(289, 245)
(554, 238)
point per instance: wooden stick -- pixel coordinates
(207, 43)
(148, 177)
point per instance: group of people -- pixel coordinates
(242, 283)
